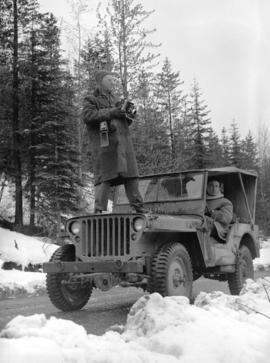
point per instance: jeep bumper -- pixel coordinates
(93, 267)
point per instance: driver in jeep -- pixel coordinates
(219, 211)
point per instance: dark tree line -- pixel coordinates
(38, 142)
(44, 149)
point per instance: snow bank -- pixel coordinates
(263, 262)
(217, 329)
(14, 283)
(22, 249)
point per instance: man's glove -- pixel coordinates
(117, 113)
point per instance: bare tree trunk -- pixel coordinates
(15, 124)
(79, 7)
(171, 128)
(32, 164)
(3, 184)
(124, 48)
(80, 125)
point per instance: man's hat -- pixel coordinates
(101, 73)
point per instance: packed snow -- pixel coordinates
(218, 328)
(263, 262)
(15, 283)
(22, 250)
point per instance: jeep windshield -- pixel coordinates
(183, 186)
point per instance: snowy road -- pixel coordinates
(103, 310)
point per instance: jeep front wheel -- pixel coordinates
(171, 273)
(243, 270)
(63, 295)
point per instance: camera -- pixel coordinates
(129, 108)
(104, 134)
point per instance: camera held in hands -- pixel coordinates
(129, 108)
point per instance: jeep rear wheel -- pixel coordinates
(63, 295)
(171, 273)
(243, 270)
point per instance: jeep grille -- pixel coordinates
(106, 236)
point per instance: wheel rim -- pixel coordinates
(74, 294)
(176, 279)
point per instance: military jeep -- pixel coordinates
(164, 250)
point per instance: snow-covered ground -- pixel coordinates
(22, 250)
(15, 283)
(263, 262)
(217, 329)
(7, 202)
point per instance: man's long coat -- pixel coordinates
(222, 214)
(116, 161)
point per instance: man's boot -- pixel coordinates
(142, 210)
(97, 211)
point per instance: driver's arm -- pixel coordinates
(223, 214)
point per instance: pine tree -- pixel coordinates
(57, 156)
(199, 129)
(79, 8)
(5, 88)
(263, 197)
(183, 137)
(32, 99)
(169, 98)
(37, 115)
(124, 21)
(214, 150)
(249, 153)
(225, 147)
(235, 154)
(149, 131)
(16, 20)
(16, 139)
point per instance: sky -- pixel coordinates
(222, 43)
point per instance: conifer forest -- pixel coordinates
(44, 149)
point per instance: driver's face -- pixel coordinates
(213, 188)
(110, 83)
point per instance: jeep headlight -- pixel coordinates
(75, 227)
(139, 224)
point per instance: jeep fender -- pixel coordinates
(242, 234)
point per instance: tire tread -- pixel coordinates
(53, 282)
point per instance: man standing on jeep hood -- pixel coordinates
(111, 144)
